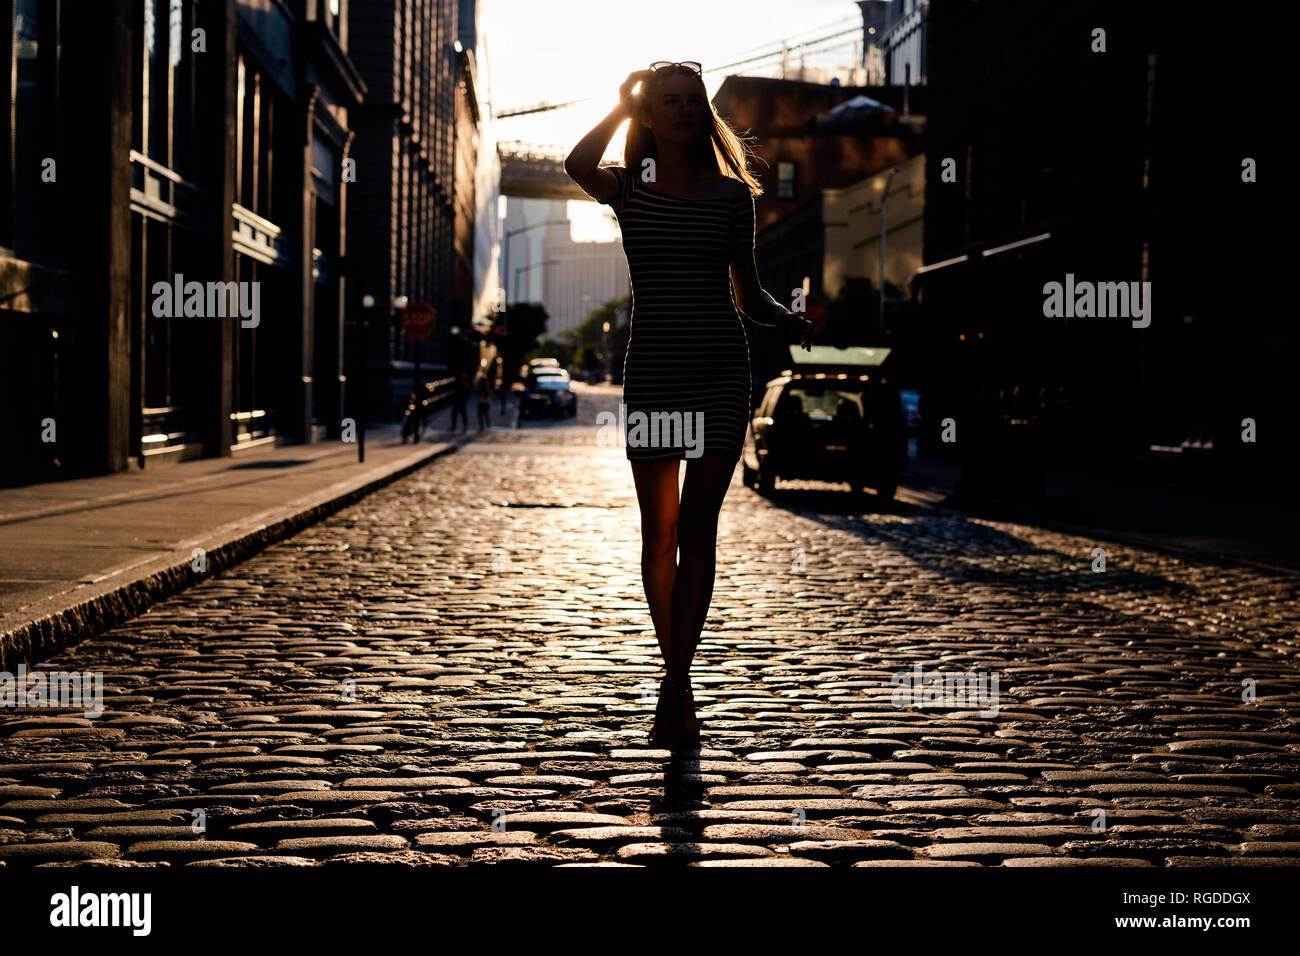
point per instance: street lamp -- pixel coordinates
(510, 235)
(505, 280)
(367, 304)
(399, 304)
(604, 348)
(529, 268)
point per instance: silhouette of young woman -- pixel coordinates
(684, 202)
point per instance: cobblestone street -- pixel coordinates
(460, 669)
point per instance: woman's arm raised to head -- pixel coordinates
(583, 163)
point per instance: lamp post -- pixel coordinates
(604, 348)
(880, 286)
(367, 304)
(399, 304)
(529, 268)
(505, 278)
(505, 285)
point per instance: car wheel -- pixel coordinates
(886, 489)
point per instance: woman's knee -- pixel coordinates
(659, 538)
(698, 538)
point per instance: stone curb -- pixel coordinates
(58, 624)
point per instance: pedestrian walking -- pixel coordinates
(503, 388)
(459, 402)
(483, 389)
(684, 202)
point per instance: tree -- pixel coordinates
(553, 348)
(592, 330)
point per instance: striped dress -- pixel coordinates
(686, 378)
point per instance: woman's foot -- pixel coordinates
(673, 727)
(665, 730)
(691, 722)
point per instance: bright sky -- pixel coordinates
(561, 51)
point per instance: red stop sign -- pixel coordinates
(418, 320)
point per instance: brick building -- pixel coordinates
(811, 138)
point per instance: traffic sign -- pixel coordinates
(418, 319)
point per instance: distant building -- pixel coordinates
(894, 41)
(834, 238)
(568, 278)
(489, 284)
(411, 217)
(584, 275)
(817, 145)
(522, 236)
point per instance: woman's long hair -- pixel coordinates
(722, 149)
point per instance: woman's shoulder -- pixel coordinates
(734, 189)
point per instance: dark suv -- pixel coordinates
(833, 416)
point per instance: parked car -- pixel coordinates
(833, 416)
(537, 363)
(538, 374)
(548, 395)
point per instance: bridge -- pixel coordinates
(534, 171)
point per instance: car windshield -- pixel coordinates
(855, 356)
(821, 404)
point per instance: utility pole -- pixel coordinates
(880, 285)
(367, 305)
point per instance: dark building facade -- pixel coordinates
(158, 144)
(1122, 165)
(411, 222)
(897, 29)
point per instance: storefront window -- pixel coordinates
(34, 42)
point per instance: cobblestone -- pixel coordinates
(460, 670)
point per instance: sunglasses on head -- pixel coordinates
(689, 65)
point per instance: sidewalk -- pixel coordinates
(1259, 530)
(78, 556)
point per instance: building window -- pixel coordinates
(30, 84)
(785, 179)
(164, 124)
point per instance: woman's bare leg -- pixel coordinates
(656, 493)
(706, 483)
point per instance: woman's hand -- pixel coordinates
(815, 310)
(627, 100)
(796, 325)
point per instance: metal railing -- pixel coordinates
(436, 395)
